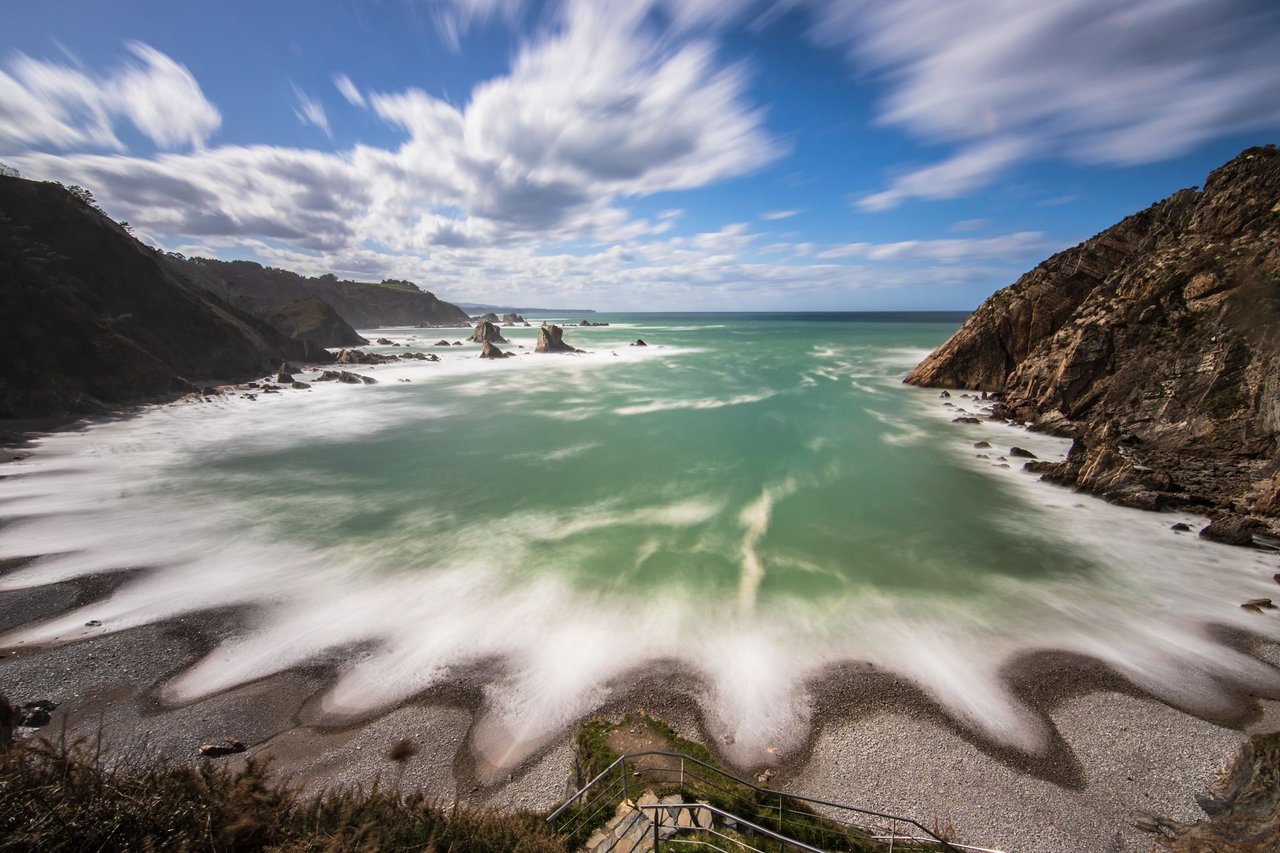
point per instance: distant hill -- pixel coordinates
(361, 304)
(89, 316)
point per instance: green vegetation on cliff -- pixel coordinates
(90, 317)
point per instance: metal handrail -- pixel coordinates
(621, 760)
(768, 833)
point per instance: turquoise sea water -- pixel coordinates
(749, 498)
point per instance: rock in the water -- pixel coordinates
(491, 351)
(639, 343)
(347, 377)
(383, 342)
(355, 356)
(228, 746)
(486, 332)
(945, 394)
(1258, 604)
(1180, 527)
(490, 317)
(1233, 530)
(551, 339)
(965, 419)
(442, 343)
(513, 319)
(301, 386)
(982, 445)
(284, 376)
(1021, 453)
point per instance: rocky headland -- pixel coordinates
(364, 305)
(1155, 346)
(91, 318)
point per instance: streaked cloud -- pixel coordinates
(310, 111)
(56, 104)
(774, 215)
(1090, 81)
(348, 90)
(1009, 247)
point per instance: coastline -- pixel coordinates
(875, 738)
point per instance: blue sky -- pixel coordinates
(646, 154)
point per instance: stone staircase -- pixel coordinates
(632, 828)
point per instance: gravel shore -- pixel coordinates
(876, 741)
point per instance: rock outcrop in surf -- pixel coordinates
(1154, 344)
(551, 339)
(486, 332)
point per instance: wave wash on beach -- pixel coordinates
(750, 502)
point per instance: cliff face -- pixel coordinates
(1155, 344)
(89, 316)
(314, 320)
(360, 304)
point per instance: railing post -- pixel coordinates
(656, 839)
(893, 833)
(622, 768)
(682, 775)
(779, 813)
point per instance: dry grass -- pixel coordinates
(56, 797)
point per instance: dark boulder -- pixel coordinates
(1233, 530)
(488, 350)
(1021, 453)
(639, 343)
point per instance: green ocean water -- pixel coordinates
(748, 498)
(636, 475)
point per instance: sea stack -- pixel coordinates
(486, 332)
(1155, 344)
(551, 339)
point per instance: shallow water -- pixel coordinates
(754, 496)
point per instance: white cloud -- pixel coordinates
(348, 90)
(972, 167)
(163, 100)
(1085, 80)
(47, 103)
(311, 112)
(595, 109)
(774, 215)
(454, 18)
(1011, 247)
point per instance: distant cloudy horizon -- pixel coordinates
(642, 155)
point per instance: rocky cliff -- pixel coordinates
(1155, 344)
(89, 316)
(363, 305)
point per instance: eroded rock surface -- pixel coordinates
(551, 339)
(1154, 345)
